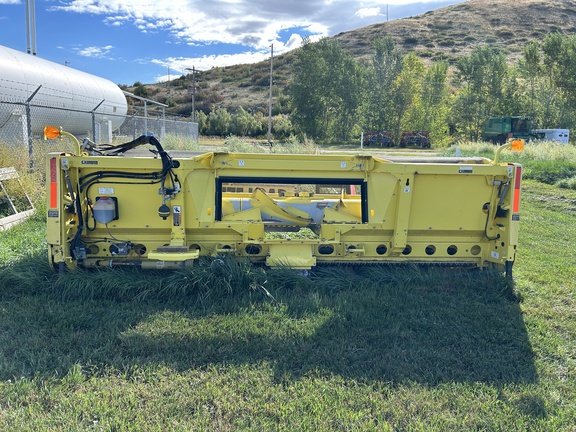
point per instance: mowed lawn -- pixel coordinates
(230, 347)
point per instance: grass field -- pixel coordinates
(230, 347)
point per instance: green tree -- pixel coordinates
(481, 96)
(345, 93)
(219, 122)
(281, 126)
(306, 91)
(325, 90)
(385, 67)
(530, 68)
(433, 112)
(560, 63)
(202, 120)
(406, 92)
(242, 123)
(140, 89)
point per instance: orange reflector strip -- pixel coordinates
(53, 184)
(53, 195)
(517, 182)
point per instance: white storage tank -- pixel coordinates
(67, 95)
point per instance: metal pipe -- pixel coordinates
(270, 96)
(33, 25)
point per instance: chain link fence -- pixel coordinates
(22, 125)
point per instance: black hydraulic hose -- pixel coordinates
(76, 240)
(167, 163)
(143, 139)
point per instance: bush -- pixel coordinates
(569, 183)
(446, 42)
(505, 33)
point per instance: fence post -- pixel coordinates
(133, 126)
(163, 127)
(145, 118)
(29, 128)
(93, 112)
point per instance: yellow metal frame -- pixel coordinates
(449, 211)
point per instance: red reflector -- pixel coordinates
(53, 184)
(517, 182)
(53, 169)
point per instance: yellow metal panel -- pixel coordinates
(297, 256)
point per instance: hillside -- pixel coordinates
(443, 34)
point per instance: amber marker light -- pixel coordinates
(51, 132)
(518, 145)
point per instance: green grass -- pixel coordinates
(228, 346)
(290, 146)
(546, 162)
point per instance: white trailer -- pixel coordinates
(561, 136)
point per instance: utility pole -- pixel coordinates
(270, 97)
(193, 92)
(30, 27)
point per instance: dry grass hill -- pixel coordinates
(442, 34)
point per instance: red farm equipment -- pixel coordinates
(384, 139)
(419, 139)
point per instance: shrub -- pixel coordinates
(505, 33)
(446, 42)
(569, 183)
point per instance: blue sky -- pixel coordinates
(146, 40)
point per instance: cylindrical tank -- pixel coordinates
(67, 95)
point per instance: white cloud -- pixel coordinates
(368, 12)
(178, 65)
(94, 52)
(12, 2)
(253, 24)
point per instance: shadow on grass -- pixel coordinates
(429, 326)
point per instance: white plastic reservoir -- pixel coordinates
(64, 91)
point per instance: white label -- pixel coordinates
(466, 170)
(407, 189)
(241, 162)
(105, 191)
(495, 255)
(176, 218)
(342, 164)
